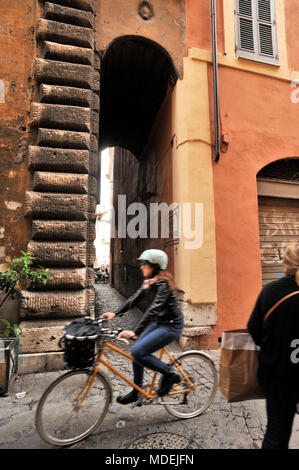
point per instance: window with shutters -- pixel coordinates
(256, 36)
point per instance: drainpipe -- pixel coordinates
(215, 83)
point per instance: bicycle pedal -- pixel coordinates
(135, 403)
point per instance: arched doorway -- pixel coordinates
(135, 74)
(278, 194)
(137, 79)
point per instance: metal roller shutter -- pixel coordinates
(279, 226)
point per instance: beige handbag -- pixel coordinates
(239, 362)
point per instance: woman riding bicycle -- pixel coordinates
(167, 326)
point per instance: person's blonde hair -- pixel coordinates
(291, 259)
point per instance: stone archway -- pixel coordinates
(137, 81)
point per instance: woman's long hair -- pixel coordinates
(160, 274)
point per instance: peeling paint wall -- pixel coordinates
(17, 48)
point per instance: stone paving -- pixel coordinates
(222, 426)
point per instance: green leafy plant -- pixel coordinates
(20, 270)
(9, 328)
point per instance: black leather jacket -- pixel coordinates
(163, 309)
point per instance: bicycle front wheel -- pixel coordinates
(61, 419)
(201, 371)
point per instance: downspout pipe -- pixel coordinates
(215, 82)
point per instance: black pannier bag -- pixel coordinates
(79, 342)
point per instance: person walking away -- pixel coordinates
(165, 316)
(278, 338)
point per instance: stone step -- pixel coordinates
(56, 206)
(64, 33)
(65, 14)
(66, 73)
(67, 53)
(85, 5)
(58, 159)
(59, 116)
(40, 362)
(58, 254)
(64, 182)
(56, 305)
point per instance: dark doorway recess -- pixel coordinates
(135, 74)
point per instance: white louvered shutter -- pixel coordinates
(256, 36)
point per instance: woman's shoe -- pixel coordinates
(130, 397)
(167, 382)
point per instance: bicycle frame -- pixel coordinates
(150, 394)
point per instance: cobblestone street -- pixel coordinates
(221, 426)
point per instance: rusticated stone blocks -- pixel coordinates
(59, 254)
(59, 304)
(94, 165)
(60, 182)
(56, 206)
(67, 279)
(56, 138)
(68, 15)
(66, 53)
(60, 116)
(64, 33)
(59, 94)
(62, 203)
(65, 73)
(64, 182)
(47, 158)
(86, 5)
(59, 230)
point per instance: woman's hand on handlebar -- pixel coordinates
(108, 315)
(127, 334)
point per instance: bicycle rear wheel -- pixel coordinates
(58, 421)
(201, 370)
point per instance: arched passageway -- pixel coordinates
(137, 77)
(135, 74)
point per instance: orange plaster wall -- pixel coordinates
(118, 18)
(17, 46)
(261, 124)
(198, 25)
(292, 34)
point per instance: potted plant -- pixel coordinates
(21, 271)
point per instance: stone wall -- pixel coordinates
(63, 159)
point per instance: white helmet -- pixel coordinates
(155, 257)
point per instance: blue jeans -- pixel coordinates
(152, 339)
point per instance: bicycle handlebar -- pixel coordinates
(111, 333)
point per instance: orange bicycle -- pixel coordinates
(76, 403)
